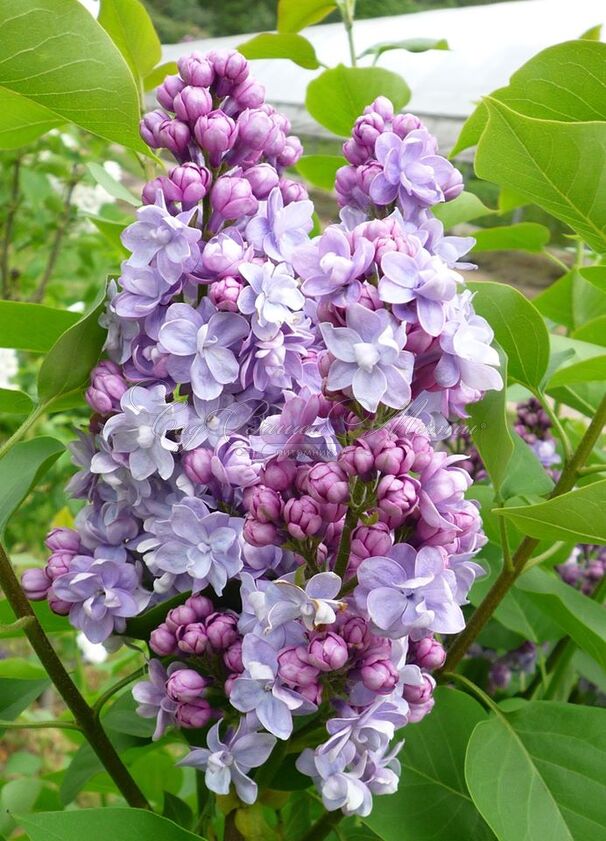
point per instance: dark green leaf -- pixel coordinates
(518, 328)
(432, 800)
(15, 402)
(581, 618)
(524, 236)
(526, 475)
(130, 28)
(411, 45)
(177, 810)
(490, 430)
(19, 687)
(294, 15)
(68, 363)
(101, 824)
(32, 326)
(575, 516)
(539, 772)
(281, 45)
(320, 170)
(465, 208)
(122, 718)
(20, 470)
(58, 56)
(339, 95)
(140, 627)
(85, 765)
(51, 622)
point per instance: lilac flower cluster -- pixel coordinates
(258, 460)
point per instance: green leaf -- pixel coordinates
(562, 83)
(593, 331)
(320, 170)
(524, 236)
(140, 627)
(177, 810)
(22, 121)
(589, 370)
(555, 302)
(111, 232)
(294, 15)
(17, 796)
(464, 208)
(281, 45)
(546, 162)
(20, 470)
(411, 45)
(539, 772)
(51, 622)
(101, 824)
(518, 328)
(15, 402)
(594, 33)
(68, 363)
(510, 200)
(577, 516)
(490, 430)
(122, 718)
(130, 28)
(111, 186)
(339, 95)
(525, 475)
(57, 55)
(17, 693)
(432, 800)
(158, 74)
(581, 618)
(32, 326)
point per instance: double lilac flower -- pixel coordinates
(331, 268)
(369, 358)
(277, 230)
(272, 297)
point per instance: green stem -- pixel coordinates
(507, 559)
(11, 211)
(27, 424)
(322, 827)
(348, 11)
(592, 468)
(39, 725)
(560, 263)
(83, 714)
(524, 552)
(544, 556)
(475, 690)
(351, 520)
(566, 445)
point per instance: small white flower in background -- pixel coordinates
(9, 366)
(78, 306)
(91, 652)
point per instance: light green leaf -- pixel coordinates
(589, 370)
(158, 74)
(490, 430)
(339, 95)
(68, 363)
(281, 45)
(411, 45)
(584, 397)
(577, 515)
(524, 236)
(464, 208)
(555, 302)
(19, 687)
(22, 120)
(130, 28)
(510, 200)
(518, 328)
(111, 232)
(20, 470)
(294, 15)
(525, 475)
(57, 55)
(320, 170)
(546, 162)
(101, 824)
(18, 795)
(51, 622)
(32, 326)
(432, 800)
(111, 186)
(593, 331)
(538, 772)
(581, 618)
(594, 33)
(15, 402)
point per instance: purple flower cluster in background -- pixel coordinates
(258, 460)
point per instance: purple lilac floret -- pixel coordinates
(258, 453)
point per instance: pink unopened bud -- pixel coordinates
(197, 465)
(371, 541)
(327, 482)
(328, 652)
(58, 564)
(379, 675)
(417, 712)
(263, 503)
(233, 657)
(229, 683)
(303, 518)
(429, 653)
(57, 605)
(259, 534)
(232, 197)
(185, 685)
(231, 68)
(295, 668)
(222, 630)
(191, 182)
(224, 293)
(194, 714)
(175, 136)
(107, 385)
(163, 641)
(355, 632)
(63, 538)
(201, 606)
(168, 90)
(357, 460)
(192, 103)
(419, 694)
(149, 128)
(216, 134)
(179, 616)
(279, 474)
(36, 584)
(196, 69)
(292, 190)
(403, 124)
(192, 639)
(291, 152)
(312, 692)
(248, 94)
(396, 498)
(262, 179)
(255, 128)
